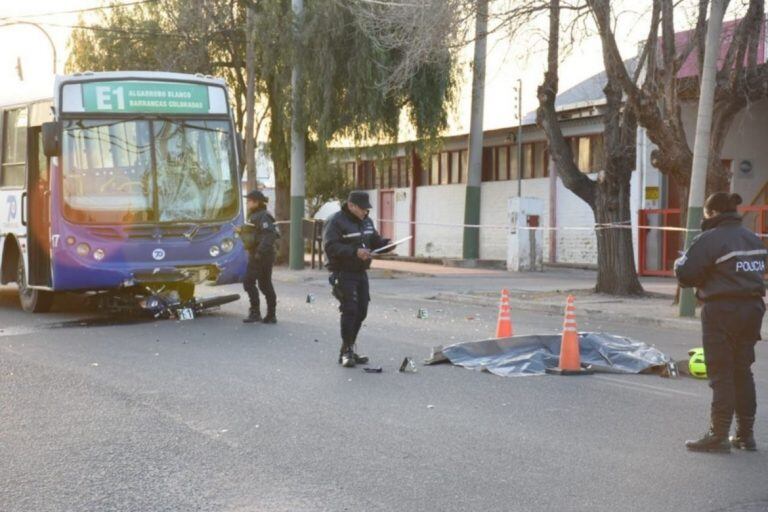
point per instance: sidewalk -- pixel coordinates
(546, 291)
(535, 291)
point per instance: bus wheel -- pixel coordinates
(32, 301)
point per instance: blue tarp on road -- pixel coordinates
(532, 355)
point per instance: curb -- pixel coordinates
(539, 307)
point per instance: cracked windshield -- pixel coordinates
(137, 171)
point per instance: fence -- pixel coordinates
(658, 248)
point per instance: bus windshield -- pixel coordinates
(139, 171)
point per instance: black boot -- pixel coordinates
(270, 318)
(744, 438)
(715, 440)
(358, 358)
(254, 315)
(347, 359)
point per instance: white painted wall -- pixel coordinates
(574, 245)
(441, 204)
(745, 141)
(402, 218)
(493, 212)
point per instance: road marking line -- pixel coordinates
(649, 387)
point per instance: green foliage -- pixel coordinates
(343, 70)
(325, 181)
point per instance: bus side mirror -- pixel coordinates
(51, 138)
(241, 155)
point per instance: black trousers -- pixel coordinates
(730, 330)
(259, 271)
(353, 293)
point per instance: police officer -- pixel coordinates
(726, 263)
(259, 236)
(349, 237)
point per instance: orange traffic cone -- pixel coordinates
(504, 323)
(570, 360)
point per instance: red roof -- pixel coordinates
(691, 65)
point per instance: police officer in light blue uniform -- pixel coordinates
(726, 264)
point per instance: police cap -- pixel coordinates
(360, 199)
(257, 195)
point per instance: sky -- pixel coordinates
(507, 61)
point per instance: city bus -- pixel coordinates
(120, 182)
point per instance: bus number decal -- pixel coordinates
(55, 240)
(103, 100)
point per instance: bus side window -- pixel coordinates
(43, 162)
(14, 148)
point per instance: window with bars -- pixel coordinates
(384, 174)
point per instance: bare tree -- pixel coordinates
(609, 195)
(659, 98)
(417, 29)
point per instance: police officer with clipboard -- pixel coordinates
(726, 264)
(349, 237)
(259, 235)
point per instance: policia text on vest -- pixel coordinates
(725, 264)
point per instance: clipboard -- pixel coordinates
(389, 246)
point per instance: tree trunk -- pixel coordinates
(283, 214)
(616, 274)
(609, 197)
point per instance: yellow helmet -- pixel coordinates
(697, 364)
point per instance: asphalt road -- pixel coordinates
(215, 415)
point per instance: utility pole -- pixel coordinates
(471, 245)
(250, 99)
(519, 137)
(701, 143)
(298, 164)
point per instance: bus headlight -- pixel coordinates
(98, 254)
(83, 249)
(214, 251)
(71, 240)
(227, 245)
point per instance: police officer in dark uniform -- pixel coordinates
(349, 237)
(259, 236)
(725, 264)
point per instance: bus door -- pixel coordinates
(38, 211)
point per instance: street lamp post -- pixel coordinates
(41, 29)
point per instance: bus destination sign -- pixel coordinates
(143, 96)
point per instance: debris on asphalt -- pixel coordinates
(437, 356)
(430, 406)
(670, 371)
(374, 369)
(408, 366)
(310, 298)
(422, 314)
(94, 364)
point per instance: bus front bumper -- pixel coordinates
(70, 273)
